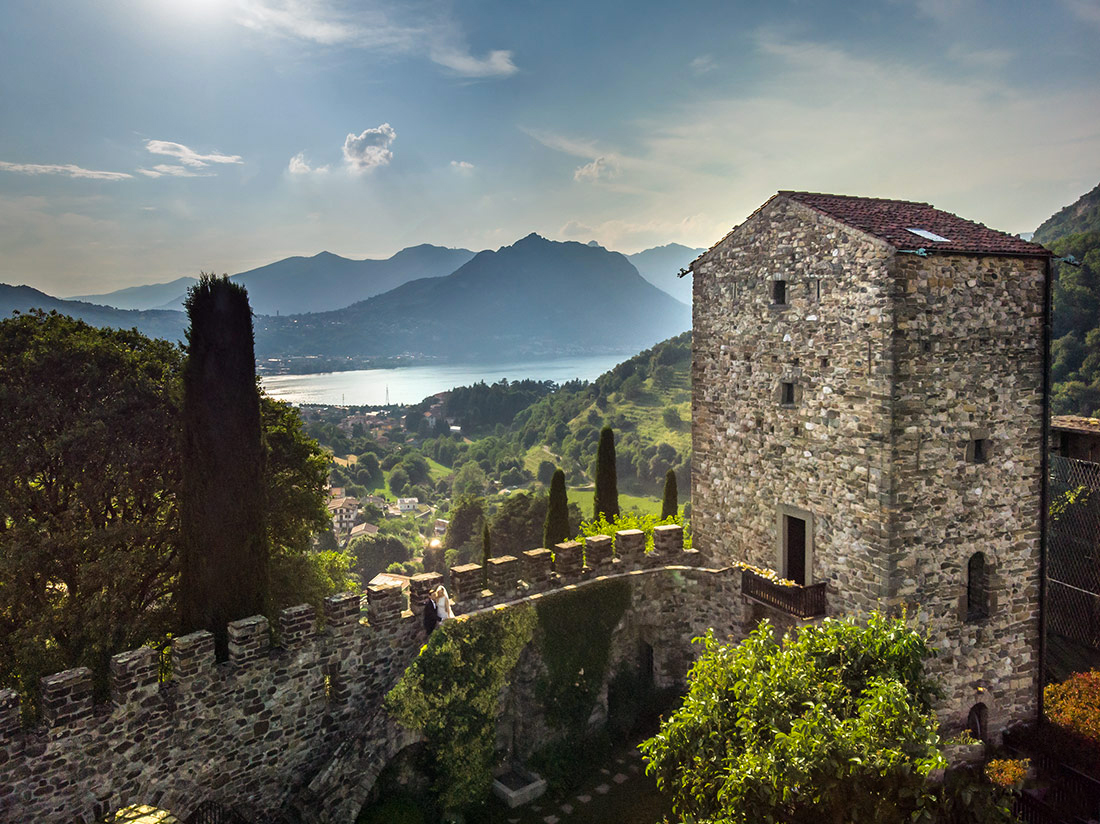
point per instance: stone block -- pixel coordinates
(537, 566)
(384, 605)
(342, 609)
(597, 551)
(420, 586)
(192, 654)
(249, 638)
(296, 625)
(630, 546)
(10, 721)
(466, 583)
(134, 675)
(503, 574)
(66, 696)
(569, 559)
(668, 541)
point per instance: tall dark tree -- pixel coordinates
(556, 529)
(224, 550)
(606, 501)
(486, 553)
(670, 504)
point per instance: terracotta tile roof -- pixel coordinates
(891, 220)
(1076, 423)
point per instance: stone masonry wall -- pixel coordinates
(829, 452)
(969, 363)
(898, 363)
(297, 727)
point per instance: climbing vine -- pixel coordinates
(574, 640)
(452, 693)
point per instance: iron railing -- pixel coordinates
(799, 601)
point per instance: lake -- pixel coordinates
(411, 384)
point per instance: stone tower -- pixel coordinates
(868, 416)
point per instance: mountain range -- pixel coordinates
(534, 298)
(304, 284)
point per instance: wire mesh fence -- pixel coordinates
(1073, 551)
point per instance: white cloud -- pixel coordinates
(187, 156)
(703, 63)
(599, 169)
(1086, 10)
(498, 63)
(168, 170)
(299, 166)
(462, 166)
(369, 149)
(66, 169)
(391, 28)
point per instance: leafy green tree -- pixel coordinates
(469, 480)
(89, 476)
(832, 724)
(545, 472)
(224, 549)
(399, 479)
(670, 504)
(556, 529)
(467, 516)
(486, 553)
(671, 417)
(606, 500)
(372, 554)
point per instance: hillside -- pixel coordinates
(296, 285)
(535, 298)
(645, 399)
(661, 266)
(155, 324)
(1083, 215)
(1075, 351)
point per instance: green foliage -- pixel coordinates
(89, 477)
(309, 577)
(451, 692)
(399, 479)
(606, 502)
(372, 554)
(633, 520)
(224, 548)
(556, 528)
(467, 517)
(670, 504)
(486, 553)
(480, 407)
(1075, 350)
(546, 472)
(574, 640)
(832, 724)
(1074, 705)
(470, 480)
(517, 523)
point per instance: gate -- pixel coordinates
(1073, 552)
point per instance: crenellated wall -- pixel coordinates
(292, 723)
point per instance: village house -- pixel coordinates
(408, 504)
(869, 418)
(343, 511)
(1072, 436)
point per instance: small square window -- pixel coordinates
(779, 292)
(979, 450)
(824, 363)
(787, 393)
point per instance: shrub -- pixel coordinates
(1074, 705)
(1008, 773)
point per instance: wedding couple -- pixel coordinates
(437, 608)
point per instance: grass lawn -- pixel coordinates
(437, 471)
(584, 497)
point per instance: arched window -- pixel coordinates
(977, 721)
(977, 588)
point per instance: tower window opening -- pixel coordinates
(779, 292)
(787, 393)
(977, 588)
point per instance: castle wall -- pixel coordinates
(827, 454)
(300, 724)
(969, 364)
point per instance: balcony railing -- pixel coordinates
(799, 601)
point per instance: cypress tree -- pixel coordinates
(670, 506)
(606, 501)
(223, 538)
(556, 529)
(486, 553)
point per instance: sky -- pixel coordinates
(144, 140)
